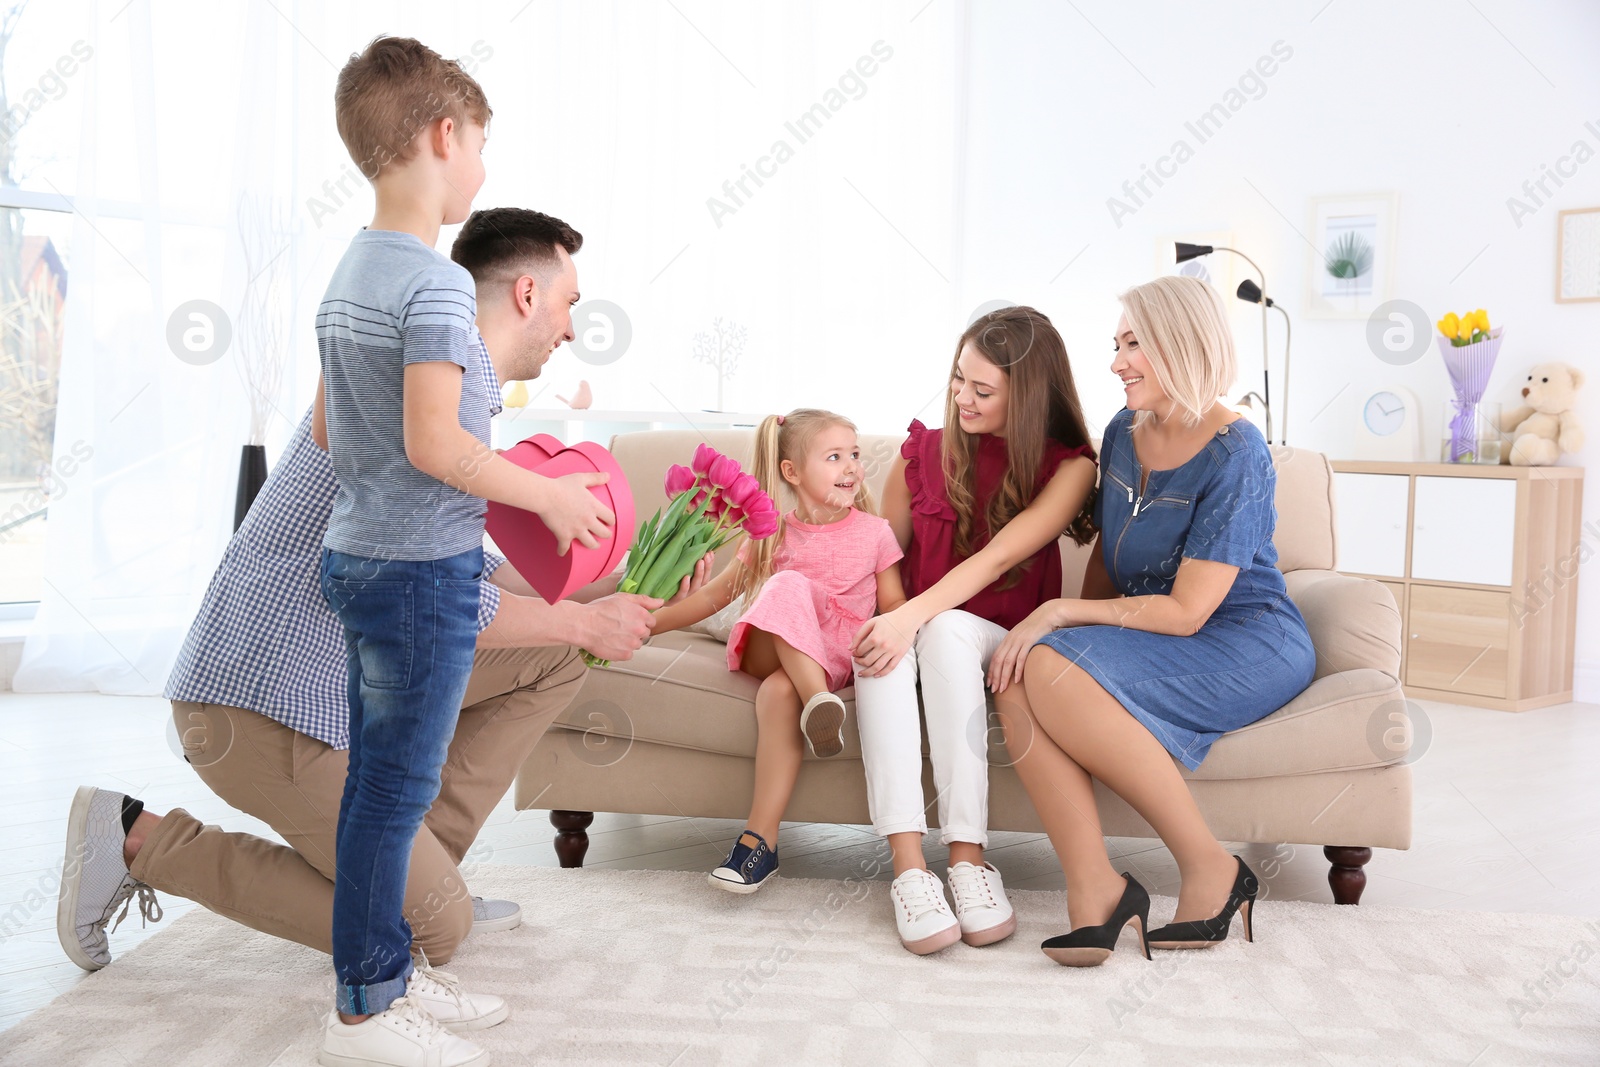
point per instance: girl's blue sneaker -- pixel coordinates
(748, 866)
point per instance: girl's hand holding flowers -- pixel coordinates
(712, 501)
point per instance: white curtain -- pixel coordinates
(625, 119)
(180, 125)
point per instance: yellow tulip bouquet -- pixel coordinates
(1466, 329)
(1469, 347)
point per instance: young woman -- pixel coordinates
(1184, 631)
(978, 507)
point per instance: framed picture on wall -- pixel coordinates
(1578, 256)
(1351, 260)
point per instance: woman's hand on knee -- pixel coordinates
(882, 641)
(1005, 666)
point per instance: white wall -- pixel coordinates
(628, 119)
(1425, 99)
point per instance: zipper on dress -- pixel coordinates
(1116, 550)
(1122, 483)
(1116, 553)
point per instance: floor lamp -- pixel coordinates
(1186, 252)
(1248, 290)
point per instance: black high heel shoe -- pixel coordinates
(1089, 946)
(1206, 933)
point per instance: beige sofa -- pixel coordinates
(672, 731)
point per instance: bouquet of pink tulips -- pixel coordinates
(711, 502)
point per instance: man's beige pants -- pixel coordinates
(294, 783)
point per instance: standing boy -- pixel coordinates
(403, 410)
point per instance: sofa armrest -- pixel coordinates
(1353, 621)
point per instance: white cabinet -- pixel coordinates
(1370, 511)
(1479, 560)
(1464, 530)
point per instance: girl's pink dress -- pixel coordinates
(824, 585)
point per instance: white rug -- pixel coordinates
(658, 967)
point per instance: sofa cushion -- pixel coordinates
(1353, 621)
(1340, 723)
(677, 690)
(1304, 500)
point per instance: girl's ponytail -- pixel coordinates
(769, 455)
(767, 469)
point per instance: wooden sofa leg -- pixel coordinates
(1345, 877)
(572, 842)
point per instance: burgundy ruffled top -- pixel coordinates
(931, 554)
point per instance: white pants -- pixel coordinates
(951, 655)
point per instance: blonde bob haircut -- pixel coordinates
(1182, 328)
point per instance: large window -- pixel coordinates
(33, 304)
(42, 61)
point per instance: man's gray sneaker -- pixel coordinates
(95, 880)
(489, 915)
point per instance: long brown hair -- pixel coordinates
(1042, 404)
(779, 438)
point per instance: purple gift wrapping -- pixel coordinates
(1469, 367)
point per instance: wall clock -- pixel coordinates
(1389, 426)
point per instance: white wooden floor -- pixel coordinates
(1507, 819)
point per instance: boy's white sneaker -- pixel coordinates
(459, 1011)
(402, 1035)
(981, 905)
(925, 921)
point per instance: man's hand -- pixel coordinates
(692, 582)
(614, 627)
(574, 514)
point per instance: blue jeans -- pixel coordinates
(410, 627)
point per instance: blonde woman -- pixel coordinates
(1184, 631)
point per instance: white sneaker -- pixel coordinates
(402, 1035)
(981, 905)
(822, 722)
(441, 993)
(925, 921)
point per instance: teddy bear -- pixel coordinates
(1545, 426)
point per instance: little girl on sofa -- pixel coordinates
(809, 588)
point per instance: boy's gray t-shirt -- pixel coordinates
(393, 301)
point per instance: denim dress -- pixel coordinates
(1254, 654)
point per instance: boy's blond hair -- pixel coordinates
(394, 90)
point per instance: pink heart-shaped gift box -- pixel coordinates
(528, 543)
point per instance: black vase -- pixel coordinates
(252, 475)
